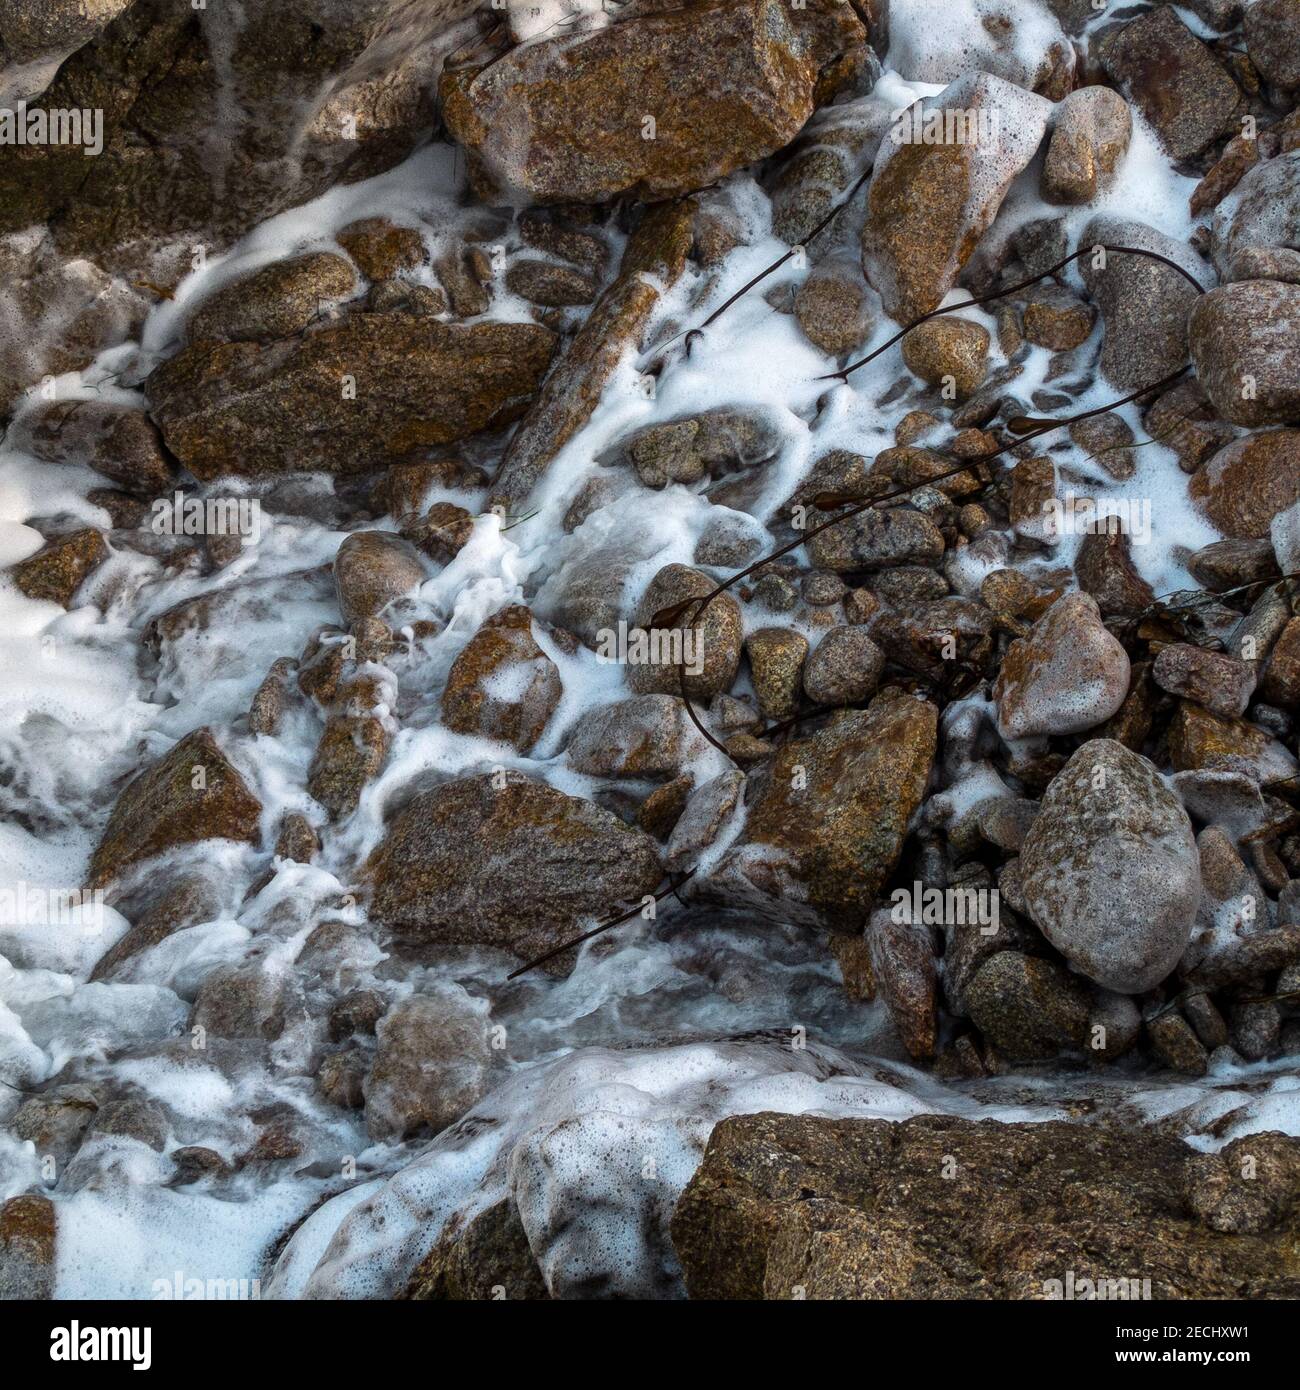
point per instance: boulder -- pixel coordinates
(1249, 482)
(1173, 79)
(371, 569)
(564, 119)
(1247, 351)
(277, 301)
(501, 860)
(1110, 870)
(432, 1059)
(117, 441)
(502, 685)
(934, 1207)
(1067, 675)
(826, 817)
(192, 793)
(1145, 305)
(928, 204)
(1090, 134)
(346, 398)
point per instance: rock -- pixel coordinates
(53, 30)
(1239, 155)
(1221, 683)
(653, 260)
(827, 816)
(1281, 681)
(844, 668)
(647, 736)
(55, 1121)
(1229, 564)
(1247, 1188)
(483, 1256)
(1247, 353)
(1261, 219)
(542, 282)
(776, 657)
(1090, 135)
(176, 903)
(466, 281)
(441, 533)
(1183, 419)
(1245, 958)
(714, 443)
(431, 1063)
(948, 352)
(1200, 739)
(1056, 319)
(341, 1078)
(503, 685)
(834, 306)
(192, 793)
(350, 754)
(709, 649)
(1271, 28)
(563, 119)
(266, 709)
(834, 150)
(1105, 569)
(934, 1207)
(1110, 870)
(1173, 1041)
(928, 204)
(1173, 79)
(381, 248)
(277, 301)
(501, 860)
(1144, 304)
(662, 809)
(1029, 1009)
(28, 1236)
(903, 968)
(240, 1001)
(876, 538)
(371, 569)
(936, 638)
(57, 571)
(297, 839)
(134, 1117)
(311, 113)
(1249, 482)
(582, 249)
(1067, 675)
(702, 819)
(1264, 263)
(117, 441)
(346, 398)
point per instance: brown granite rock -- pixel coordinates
(502, 685)
(57, 570)
(1247, 483)
(192, 793)
(827, 816)
(277, 301)
(564, 119)
(501, 860)
(344, 399)
(933, 1207)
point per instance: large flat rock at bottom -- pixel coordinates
(344, 399)
(787, 1206)
(501, 860)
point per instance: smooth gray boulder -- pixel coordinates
(1110, 869)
